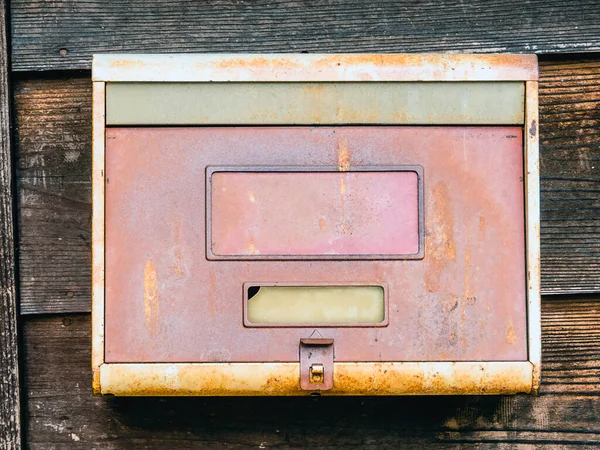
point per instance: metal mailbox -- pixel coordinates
(299, 224)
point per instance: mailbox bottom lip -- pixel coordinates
(283, 379)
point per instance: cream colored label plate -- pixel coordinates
(441, 103)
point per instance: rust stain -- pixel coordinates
(322, 224)
(252, 250)
(371, 59)
(282, 385)
(494, 64)
(126, 63)
(439, 245)
(177, 269)
(151, 297)
(96, 388)
(511, 337)
(316, 116)
(380, 381)
(258, 63)
(401, 116)
(345, 228)
(314, 89)
(469, 297)
(343, 156)
(373, 379)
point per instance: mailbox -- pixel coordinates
(348, 224)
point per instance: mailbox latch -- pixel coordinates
(316, 363)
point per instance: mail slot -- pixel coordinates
(315, 224)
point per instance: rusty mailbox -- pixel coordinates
(296, 224)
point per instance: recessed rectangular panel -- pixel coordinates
(315, 103)
(313, 214)
(314, 305)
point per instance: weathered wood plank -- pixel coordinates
(54, 172)
(570, 168)
(64, 35)
(54, 162)
(571, 354)
(63, 414)
(10, 420)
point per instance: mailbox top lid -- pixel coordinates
(313, 67)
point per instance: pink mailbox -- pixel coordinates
(301, 224)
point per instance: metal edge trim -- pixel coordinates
(314, 67)
(532, 199)
(283, 379)
(98, 158)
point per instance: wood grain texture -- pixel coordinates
(570, 176)
(54, 173)
(571, 354)
(10, 420)
(63, 35)
(54, 163)
(63, 414)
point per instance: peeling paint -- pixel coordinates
(316, 67)
(440, 248)
(177, 269)
(151, 297)
(343, 156)
(445, 378)
(511, 337)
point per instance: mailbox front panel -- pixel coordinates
(296, 224)
(463, 301)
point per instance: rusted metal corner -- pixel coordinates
(96, 387)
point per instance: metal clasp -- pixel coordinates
(316, 363)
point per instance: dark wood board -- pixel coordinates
(10, 420)
(54, 193)
(53, 117)
(61, 412)
(64, 35)
(570, 172)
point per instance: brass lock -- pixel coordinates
(317, 374)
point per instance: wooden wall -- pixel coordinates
(52, 44)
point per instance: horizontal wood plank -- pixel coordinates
(570, 176)
(54, 179)
(571, 354)
(63, 414)
(54, 163)
(64, 35)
